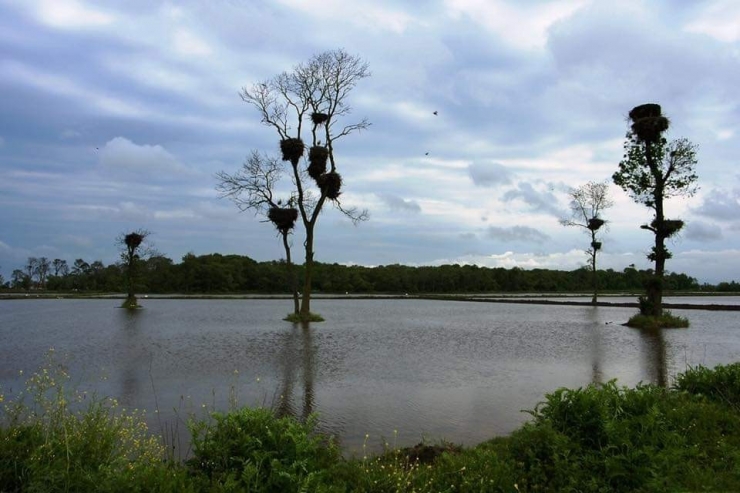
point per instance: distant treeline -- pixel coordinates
(215, 273)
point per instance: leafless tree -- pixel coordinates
(60, 267)
(307, 107)
(253, 187)
(587, 203)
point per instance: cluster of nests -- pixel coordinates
(647, 122)
(330, 183)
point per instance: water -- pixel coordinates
(402, 370)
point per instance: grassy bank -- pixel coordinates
(597, 438)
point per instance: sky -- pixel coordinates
(117, 115)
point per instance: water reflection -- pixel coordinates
(654, 349)
(595, 345)
(129, 351)
(297, 358)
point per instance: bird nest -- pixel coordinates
(649, 128)
(650, 110)
(283, 218)
(330, 184)
(292, 150)
(317, 157)
(595, 223)
(669, 227)
(596, 245)
(319, 118)
(133, 240)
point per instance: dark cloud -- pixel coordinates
(702, 231)
(396, 203)
(539, 201)
(516, 234)
(489, 174)
(720, 204)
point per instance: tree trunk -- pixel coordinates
(292, 281)
(593, 268)
(306, 300)
(655, 289)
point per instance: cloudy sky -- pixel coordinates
(116, 115)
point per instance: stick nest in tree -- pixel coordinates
(319, 118)
(292, 150)
(595, 223)
(317, 157)
(649, 110)
(330, 184)
(648, 129)
(283, 218)
(133, 240)
(669, 227)
(596, 245)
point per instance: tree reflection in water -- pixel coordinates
(595, 345)
(297, 360)
(131, 355)
(654, 356)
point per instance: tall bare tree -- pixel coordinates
(652, 171)
(307, 107)
(43, 265)
(587, 204)
(60, 267)
(253, 187)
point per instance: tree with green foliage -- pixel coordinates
(587, 203)
(653, 170)
(306, 107)
(132, 250)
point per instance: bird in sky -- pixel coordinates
(435, 112)
(426, 153)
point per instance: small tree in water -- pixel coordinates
(587, 204)
(131, 253)
(653, 170)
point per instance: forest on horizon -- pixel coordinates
(223, 274)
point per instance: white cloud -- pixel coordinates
(120, 156)
(188, 43)
(523, 25)
(516, 234)
(71, 14)
(720, 20)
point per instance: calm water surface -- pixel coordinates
(433, 369)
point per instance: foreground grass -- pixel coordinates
(599, 438)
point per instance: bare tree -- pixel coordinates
(253, 188)
(60, 267)
(43, 265)
(587, 203)
(132, 249)
(31, 270)
(653, 170)
(310, 105)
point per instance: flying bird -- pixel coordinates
(435, 112)
(426, 153)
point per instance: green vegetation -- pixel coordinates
(664, 321)
(221, 274)
(300, 318)
(598, 438)
(652, 171)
